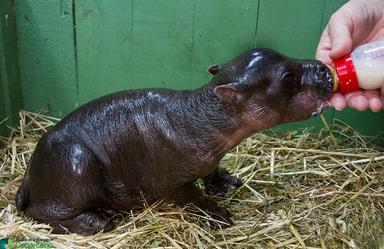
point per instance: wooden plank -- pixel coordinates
(3, 114)
(104, 45)
(5, 110)
(330, 7)
(10, 90)
(133, 44)
(291, 27)
(162, 40)
(47, 55)
(222, 30)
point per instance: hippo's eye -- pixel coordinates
(288, 77)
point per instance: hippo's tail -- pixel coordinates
(22, 197)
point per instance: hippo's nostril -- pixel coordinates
(321, 68)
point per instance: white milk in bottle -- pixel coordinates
(362, 69)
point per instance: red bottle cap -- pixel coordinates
(346, 73)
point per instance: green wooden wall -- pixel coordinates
(71, 51)
(47, 55)
(10, 89)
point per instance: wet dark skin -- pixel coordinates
(112, 153)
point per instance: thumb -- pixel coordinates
(341, 38)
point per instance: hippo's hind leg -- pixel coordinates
(191, 194)
(220, 182)
(63, 187)
(65, 219)
(86, 223)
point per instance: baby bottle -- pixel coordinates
(362, 69)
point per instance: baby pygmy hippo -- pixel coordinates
(113, 153)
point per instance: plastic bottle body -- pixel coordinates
(368, 60)
(362, 69)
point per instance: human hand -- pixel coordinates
(355, 23)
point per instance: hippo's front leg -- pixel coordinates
(190, 194)
(220, 182)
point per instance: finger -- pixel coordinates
(338, 101)
(324, 48)
(375, 104)
(350, 95)
(374, 100)
(340, 32)
(358, 102)
(323, 56)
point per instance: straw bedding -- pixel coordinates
(302, 190)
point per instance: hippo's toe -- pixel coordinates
(220, 182)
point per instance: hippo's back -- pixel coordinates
(102, 143)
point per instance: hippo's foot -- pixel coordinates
(221, 216)
(86, 223)
(220, 182)
(190, 194)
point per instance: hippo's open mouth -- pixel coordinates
(322, 103)
(312, 104)
(321, 107)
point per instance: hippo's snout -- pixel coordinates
(318, 78)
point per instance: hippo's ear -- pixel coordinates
(229, 93)
(214, 69)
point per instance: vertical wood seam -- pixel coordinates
(4, 83)
(130, 62)
(75, 50)
(191, 78)
(322, 18)
(257, 23)
(21, 93)
(3, 72)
